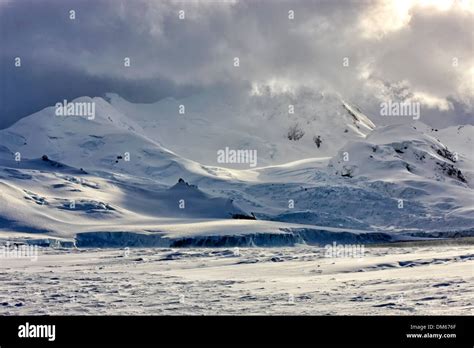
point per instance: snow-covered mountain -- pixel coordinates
(281, 128)
(399, 153)
(120, 171)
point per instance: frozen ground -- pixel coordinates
(416, 279)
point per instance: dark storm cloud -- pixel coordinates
(55, 53)
(30, 90)
(387, 45)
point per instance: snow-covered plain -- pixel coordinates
(407, 280)
(144, 177)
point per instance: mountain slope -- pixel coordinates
(111, 142)
(319, 125)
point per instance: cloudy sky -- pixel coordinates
(403, 50)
